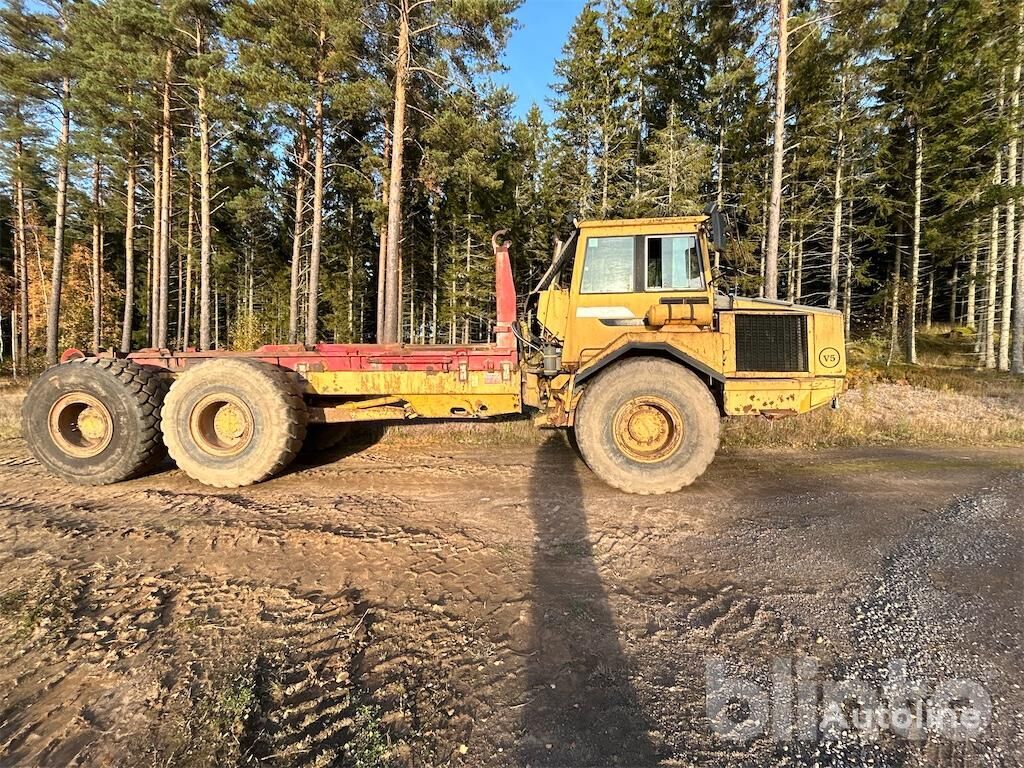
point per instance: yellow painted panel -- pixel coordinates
(751, 397)
(404, 383)
(470, 406)
(553, 311)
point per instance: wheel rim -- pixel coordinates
(80, 425)
(648, 429)
(221, 425)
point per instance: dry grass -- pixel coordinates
(10, 410)
(889, 413)
(513, 431)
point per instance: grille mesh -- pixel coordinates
(771, 342)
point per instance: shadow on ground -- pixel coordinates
(581, 706)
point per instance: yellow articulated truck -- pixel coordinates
(625, 342)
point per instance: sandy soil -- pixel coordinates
(498, 607)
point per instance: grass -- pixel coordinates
(218, 721)
(369, 745)
(46, 606)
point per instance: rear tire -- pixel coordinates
(95, 421)
(234, 422)
(647, 426)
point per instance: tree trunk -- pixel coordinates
(771, 258)
(301, 163)
(179, 319)
(791, 262)
(800, 264)
(991, 271)
(382, 251)
(205, 223)
(412, 306)
(165, 207)
(1017, 351)
(21, 245)
(1011, 213)
(129, 257)
(392, 292)
(15, 343)
(672, 164)
(971, 310)
(312, 309)
(186, 333)
(848, 280)
(720, 191)
(313, 288)
(57, 275)
(352, 274)
(929, 300)
(433, 283)
(954, 289)
(451, 315)
(154, 258)
(605, 150)
(216, 319)
(894, 318)
(837, 203)
(150, 331)
(915, 253)
(97, 261)
(638, 89)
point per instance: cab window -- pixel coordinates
(672, 263)
(608, 265)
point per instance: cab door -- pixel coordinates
(618, 278)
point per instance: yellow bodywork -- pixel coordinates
(694, 325)
(432, 395)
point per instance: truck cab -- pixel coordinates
(638, 295)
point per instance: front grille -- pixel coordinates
(771, 342)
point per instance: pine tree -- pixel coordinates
(23, 77)
(454, 35)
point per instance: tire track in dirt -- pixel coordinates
(379, 672)
(386, 604)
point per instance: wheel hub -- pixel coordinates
(648, 429)
(80, 425)
(229, 423)
(221, 424)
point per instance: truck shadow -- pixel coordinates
(581, 707)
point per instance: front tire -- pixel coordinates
(233, 422)
(95, 421)
(647, 426)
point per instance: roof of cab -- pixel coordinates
(691, 221)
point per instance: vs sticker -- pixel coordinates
(829, 357)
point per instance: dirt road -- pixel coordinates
(498, 606)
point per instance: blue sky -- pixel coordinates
(531, 53)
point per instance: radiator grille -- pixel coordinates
(771, 342)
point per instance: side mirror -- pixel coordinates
(719, 225)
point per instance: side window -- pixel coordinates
(608, 265)
(673, 263)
